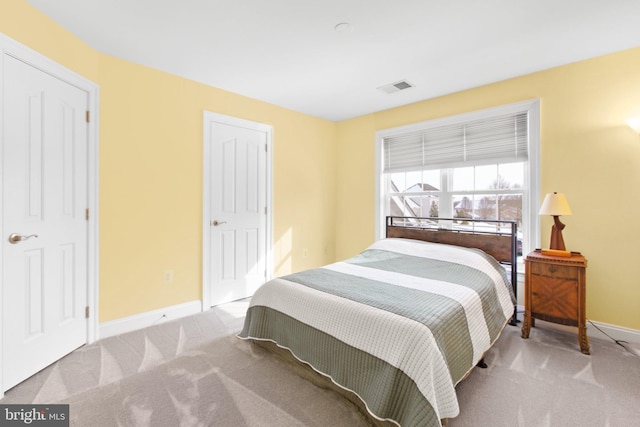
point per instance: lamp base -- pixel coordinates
(557, 242)
(556, 252)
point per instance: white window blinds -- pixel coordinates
(497, 139)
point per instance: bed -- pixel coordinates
(402, 323)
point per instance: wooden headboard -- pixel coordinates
(497, 238)
(499, 244)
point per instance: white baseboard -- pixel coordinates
(632, 336)
(142, 320)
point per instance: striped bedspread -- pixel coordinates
(399, 324)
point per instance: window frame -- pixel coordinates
(446, 193)
(530, 218)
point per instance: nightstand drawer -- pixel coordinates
(554, 270)
(554, 299)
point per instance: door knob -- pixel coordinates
(15, 238)
(216, 223)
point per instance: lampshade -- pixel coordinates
(555, 204)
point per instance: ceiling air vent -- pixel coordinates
(396, 87)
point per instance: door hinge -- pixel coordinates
(86, 214)
(86, 312)
(88, 116)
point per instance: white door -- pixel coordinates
(236, 218)
(44, 228)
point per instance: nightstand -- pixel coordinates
(554, 291)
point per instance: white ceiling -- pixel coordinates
(288, 53)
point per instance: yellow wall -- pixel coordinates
(151, 172)
(587, 152)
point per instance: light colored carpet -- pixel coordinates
(195, 372)
(545, 381)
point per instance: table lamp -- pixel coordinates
(555, 205)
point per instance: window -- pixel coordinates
(481, 165)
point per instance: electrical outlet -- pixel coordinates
(167, 277)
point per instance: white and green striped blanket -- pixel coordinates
(399, 324)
